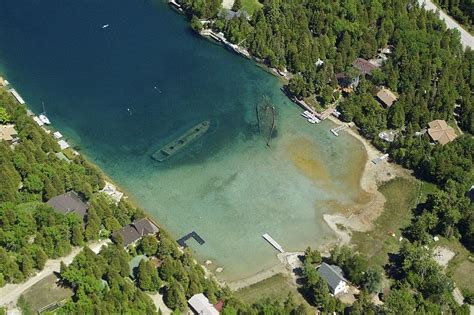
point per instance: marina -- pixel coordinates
(180, 143)
(272, 242)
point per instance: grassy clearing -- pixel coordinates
(461, 267)
(251, 6)
(278, 286)
(402, 194)
(45, 293)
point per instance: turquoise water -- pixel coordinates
(123, 91)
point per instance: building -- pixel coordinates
(8, 133)
(69, 202)
(346, 81)
(440, 131)
(133, 232)
(363, 66)
(200, 305)
(332, 275)
(386, 97)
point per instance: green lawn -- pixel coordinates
(402, 194)
(44, 293)
(251, 6)
(278, 286)
(461, 267)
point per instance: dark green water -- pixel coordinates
(123, 91)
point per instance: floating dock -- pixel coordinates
(193, 234)
(272, 242)
(180, 143)
(17, 96)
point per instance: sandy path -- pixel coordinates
(10, 293)
(160, 305)
(467, 39)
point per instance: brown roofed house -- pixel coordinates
(386, 97)
(363, 66)
(8, 133)
(69, 202)
(136, 230)
(441, 132)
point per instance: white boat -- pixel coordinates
(313, 120)
(307, 114)
(44, 119)
(105, 25)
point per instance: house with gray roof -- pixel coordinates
(332, 275)
(69, 202)
(134, 231)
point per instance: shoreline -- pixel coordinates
(362, 217)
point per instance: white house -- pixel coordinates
(332, 275)
(200, 305)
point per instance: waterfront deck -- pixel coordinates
(335, 131)
(272, 242)
(193, 234)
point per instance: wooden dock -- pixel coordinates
(17, 96)
(340, 128)
(380, 159)
(193, 234)
(272, 242)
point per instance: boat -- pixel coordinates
(44, 119)
(105, 25)
(43, 116)
(181, 142)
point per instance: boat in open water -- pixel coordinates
(180, 143)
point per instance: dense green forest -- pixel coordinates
(461, 10)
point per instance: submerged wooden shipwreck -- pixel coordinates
(266, 119)
(181, 142)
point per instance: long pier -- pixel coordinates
(193, 234)
(272, 242)
(17, 96)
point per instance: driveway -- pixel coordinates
(10, 293)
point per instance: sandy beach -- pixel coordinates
(361, 218)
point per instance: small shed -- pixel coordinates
(386, 97)
(440, 131)
(332, 275)
(200, 305)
